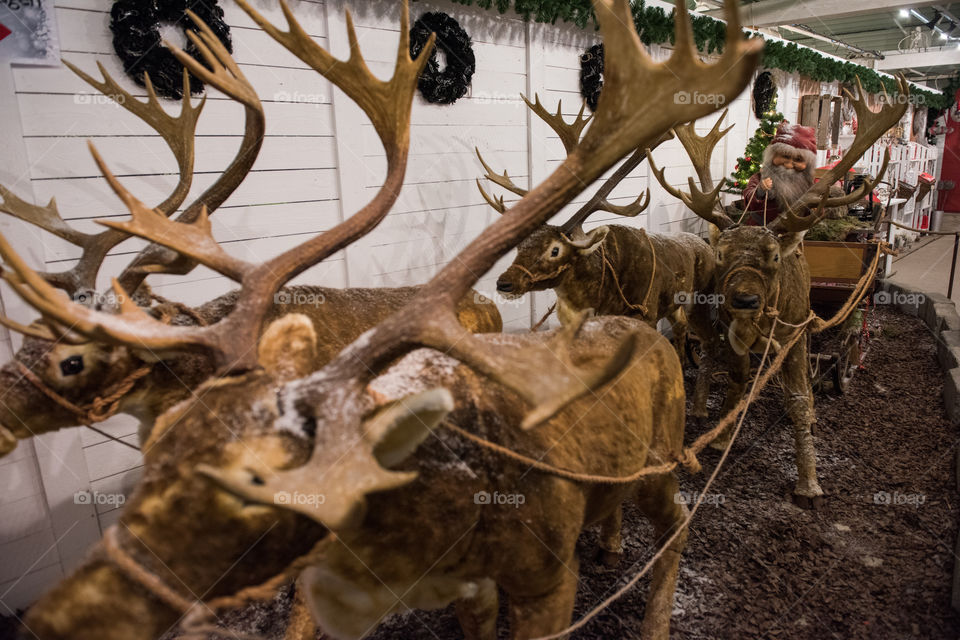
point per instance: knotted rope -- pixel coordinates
(102, 407)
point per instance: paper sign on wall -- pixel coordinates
(28, 32)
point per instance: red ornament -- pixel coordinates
(4, 31)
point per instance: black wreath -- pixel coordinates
(449, 85)
(764, 90)
(136, 39)
(591, 75)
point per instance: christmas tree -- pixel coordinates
(749, 163)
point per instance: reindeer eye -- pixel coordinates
(72, 365)
(776, 257)
(555, 252)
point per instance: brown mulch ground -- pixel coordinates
(758, 567)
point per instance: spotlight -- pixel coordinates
(904, 13)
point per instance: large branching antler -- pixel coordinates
(178, 132)
(223, 73)
(231, 342)
(705, 200)
(814, 204)
(569, 134)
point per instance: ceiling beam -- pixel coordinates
(893, 60)
(771, 13)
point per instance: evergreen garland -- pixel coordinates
(655, 26)
(749, 163)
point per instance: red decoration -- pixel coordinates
(4, 31)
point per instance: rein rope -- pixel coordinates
(107, 404)
(198, 615)
(101, 408)
(642, 307)
(533, 278)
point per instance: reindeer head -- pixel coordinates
(77, 369)
(76, 372)
(358, 447)
(549, 253)
(748, 267)
(545, 257)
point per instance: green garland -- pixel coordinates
(655, 26)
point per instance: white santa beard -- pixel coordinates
(788, 184)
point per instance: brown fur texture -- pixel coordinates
(574, 268)
(339, 317)
(757, 270)
(432, 540)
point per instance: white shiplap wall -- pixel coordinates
(321, 161)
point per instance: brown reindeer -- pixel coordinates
(394, 507)
(54, 383)
(763, 279)
(613, 269)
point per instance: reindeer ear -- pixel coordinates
(789, 242)
(288, 348)
(398, 429)
(591, 240)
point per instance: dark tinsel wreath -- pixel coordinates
(764, 89)
(591, 75)
(136, 39)
(449, 85)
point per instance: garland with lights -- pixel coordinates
(655, 26)
(135, 25)
(749, 163)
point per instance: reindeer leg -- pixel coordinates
(478, 615)
(610, 544)
(656, 498)
(301, 625)
(739, 374)
(548, 613)
(678, 323)
(798, 398)
(701, 325)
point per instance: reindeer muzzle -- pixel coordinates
(505, 286)
(745, 302)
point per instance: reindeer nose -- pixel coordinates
(504, 286)
(746, 301)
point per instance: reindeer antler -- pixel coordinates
(224, 74)
(388, 105)
(178, 132)
(702, 201)
(569, 134)
(870, 127)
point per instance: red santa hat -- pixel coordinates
(791, 138)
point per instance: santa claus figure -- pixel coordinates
(786, 174)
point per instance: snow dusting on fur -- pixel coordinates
(417, 371)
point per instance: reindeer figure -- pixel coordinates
(613, 269)
(90, 380)
(352, 446)
(764, 281)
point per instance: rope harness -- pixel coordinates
(101, 408)
(606, 264)
(533, 278)
(107, 404)
(198, 615)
